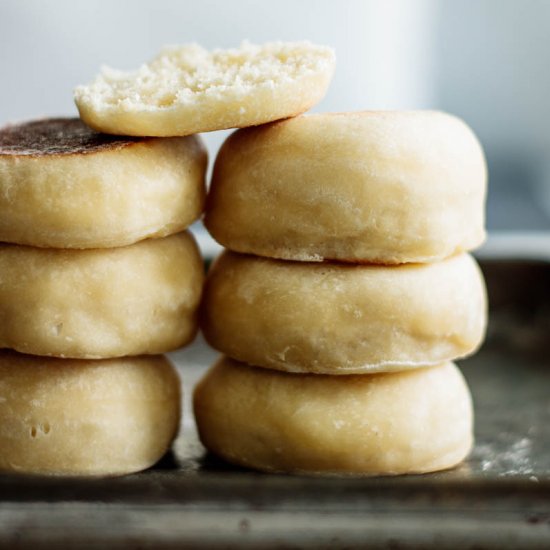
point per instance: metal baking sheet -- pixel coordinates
(499, 498)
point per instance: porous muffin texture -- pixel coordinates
(187, 89)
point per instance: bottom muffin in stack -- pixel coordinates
(391, 423)
(86, 417)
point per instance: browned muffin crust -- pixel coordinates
(57, 136)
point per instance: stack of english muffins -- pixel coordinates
(345, 294)
(99, 277)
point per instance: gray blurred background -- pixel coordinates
(486, 61)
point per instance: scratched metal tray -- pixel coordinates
(499, 498)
